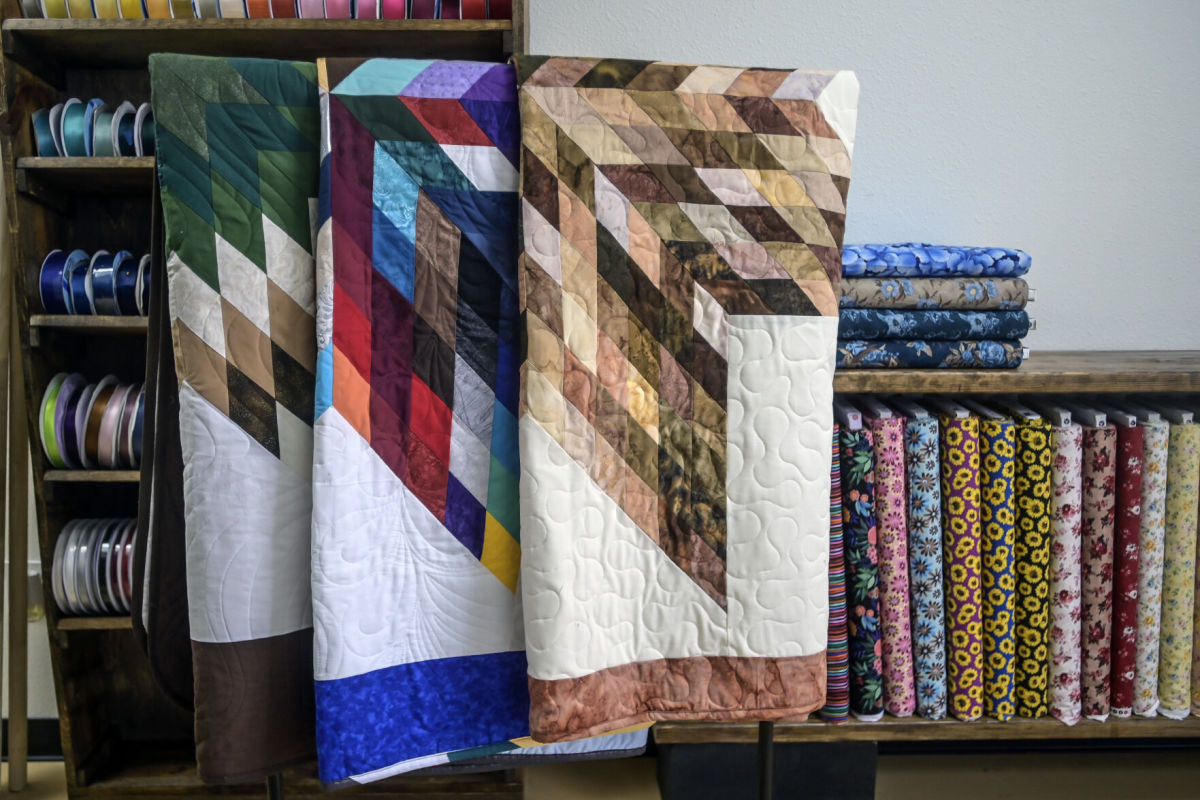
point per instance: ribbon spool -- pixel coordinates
(337, 9)
(110, 422)
(72, 392)
(123, 130)
(102, 139)
(53, 9)
(104, 282)
(71, 130)
(127, 285)
(499, 9)
(206, 9)
(181, 9)
(31, 9)
(92, 426)
(46, 421)
(56, 128)
(310, 9)
(366, 9)
(42, 135)
(81, 295)
(92, 570)
(136, 429)
(474, 9)
(52, 283)
(97, 405)
(143, 295)
(393, 9)
(258, 9)
(143, 130)
(423, 9)
(283, 9)
(231, 9)
(131, 9)
(94, 106)
(158, 9)
(450, 10)
(80, 9)
(107, 9)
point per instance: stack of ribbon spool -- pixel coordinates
(92, 426)
(107, 284)
(93, 567)
(76, 128)
(267, 9)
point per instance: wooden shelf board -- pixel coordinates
(893, 729)
(80, 174)
(1105, 371)
(89, 324)
(51, 44)
(92, 475)
(95, 624)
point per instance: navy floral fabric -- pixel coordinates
(980, 294)
(912, 259)
(919, 354)
(876, 323)
(862, 573)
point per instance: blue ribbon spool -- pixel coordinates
(139, 421)
(94, 106)
(103, 283)
(42, 134)
(76, 264)
(144, 281)
(52, 284)
(124, 127)
(81, 295)
(143, 135)
(74, 133)
(127, 283)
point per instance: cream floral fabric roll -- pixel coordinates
(1179, 572)
(1155, 436)
(1066, 648)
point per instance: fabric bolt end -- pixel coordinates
(947, 294)
(1099, 520)
(925, 565)
(862, 574)
(997, 476)
(1176, 680)
(913, 259)
(1033, 491)
(1155, 438)
(1066, 559)
(837, 661)
(1130, 447)
(874, 324)
(929, 354)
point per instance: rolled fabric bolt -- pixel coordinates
(1125, 568)
(499, 9)
(107, 9)
(206, 9)
(232, 9)
(997, 450)
(961, 539)
(312, 9)
(1099, 507)
(1179, 573)
(862, 575)
(1066, 643)
(450, 10)
(925, 565)
(422, 9)
(474, 9)
(393, 9)
(1150, 565)
(1034, 490)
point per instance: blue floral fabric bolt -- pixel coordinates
(876, 323)
(923, 471)
(922, 353)
(979, 294)
(911, 259)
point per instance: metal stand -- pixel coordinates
(18, 550)
(766, 759)
(275, 787)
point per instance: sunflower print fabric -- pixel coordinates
(892, 519)
(1155, 437)
(862, 574)
(1032, 558)
(837, 657)
(960, 540)
(1066, 649)
(1130, 439)
(1179, 574)
(1099, 517)
(925, 565)
(998, 450)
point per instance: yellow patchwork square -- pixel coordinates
(501, 553)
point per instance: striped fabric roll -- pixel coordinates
(1155, 437)
(891, 514)
(1130, 440)
(1066, 648)
(862, 575)
(960, 539)
(837, 657)
(925, 565)
(1033, 487)
(1099, 518)
(998, 450)
(1179, 572)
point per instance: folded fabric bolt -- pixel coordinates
(925, 565)
(1099, 510)
(874, 323)
(1130, 442)
(862, 574)
(1150, 565)
(913, 259)
(981, 294)
(1066, 640)
(972, 354)
(1179, 573)
(1031, 554)
(997, 451)
(837, 663)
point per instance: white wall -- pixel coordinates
(1068, 129)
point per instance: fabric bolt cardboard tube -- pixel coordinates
(1097, 532)
(1033, 490)
(891, 514)
(1155, 438)
(837, 662)
(682, 230)
(925, 354)
(925, 565)
(1177, 636)
(962, 565)
(1130, 443)
(978, 294)
(877, 323)
(1066, 558)
(997, 450)
(862, 574)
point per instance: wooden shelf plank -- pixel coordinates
(79, 174)
(92, 475)
(47, 44)
(89, 324)
(95, 624)
(892, 729)
(1102, 371)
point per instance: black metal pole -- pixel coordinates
(766, 759)
(275, 787)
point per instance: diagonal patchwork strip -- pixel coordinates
(682, 231)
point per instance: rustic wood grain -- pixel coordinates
(92, 475)
(95, 624)
(83, 174)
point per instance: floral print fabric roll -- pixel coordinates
(891, 514)
(1099, 518)
(925, 565)
(914, 258)
(960, 541)
(1125, 568)
(1179, 571)
(1155, 436)
(998, 449)
(1001, 294)
(923, 353)
(837, 657)
(1066, 647)
(878, 323)
(1033, 486)
(862, 575)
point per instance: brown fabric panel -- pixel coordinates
(701, 688)
(293, 329)
(257, 713)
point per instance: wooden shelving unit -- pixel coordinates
(91, 476)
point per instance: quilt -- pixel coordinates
(682, 231)
(416, 558)
(876, 323)
(981, 294)
(913, 259)
(237, 162)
